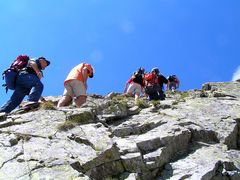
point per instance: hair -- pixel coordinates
(141, 70)
(156, 70)
(43, 58)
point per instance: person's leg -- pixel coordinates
(79, 91)
(15, 100)
(33, 84)
(36, 92)
(24, 84)
(131, 89)
(161, 95)
(137, 96)
(66, 100)
(150, 97)
(172, 86)
(80, 100)
(156, 96)
(137, 91)
(18, 95)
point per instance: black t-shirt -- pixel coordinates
(138, 78)
(31, 70)
(172, 79)
(162, 80)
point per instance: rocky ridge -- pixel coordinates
(191, 135)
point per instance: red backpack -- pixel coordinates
(20, 63)
(10, 75)
(151, 79)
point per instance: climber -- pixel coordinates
(154, 85)
(173, 83)
(76, 85)
(27, 83)
(135, 85)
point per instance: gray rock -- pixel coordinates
(203, 163)
(191, 135)
(3, 116)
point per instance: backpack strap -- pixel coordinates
(4, 72)
(4, 85)
(3, 77)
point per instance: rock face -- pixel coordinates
(190, 135)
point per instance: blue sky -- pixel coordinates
(197, 40)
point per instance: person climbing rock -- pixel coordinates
(173, 83)
(154, 85)
(76, 85)
(29, 83)
(135, 85)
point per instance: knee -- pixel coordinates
(64, 101)
(41, 86)
(83, 98)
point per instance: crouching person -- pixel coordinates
(28, 83)
(173, 83)
(76, 85)
(154, 86)
(135, 85)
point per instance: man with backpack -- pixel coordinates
(28, 82)
(173, 83)
(135, 85)
(76, 85)
(154, 85)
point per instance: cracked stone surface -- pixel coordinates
(191, 135)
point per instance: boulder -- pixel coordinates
(191, 135)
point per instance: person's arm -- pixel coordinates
(143, 91)
(168, 85)
(34, 66)
(125, 89)
(85, 76)
(127, 84)
(165, 81)
(178, 83)
(162, 80)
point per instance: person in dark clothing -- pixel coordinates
(173, 83)
(155, 83)
(27, 83)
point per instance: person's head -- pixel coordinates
(155, 71)
(90, 70)
(43, 62)
(141, 70)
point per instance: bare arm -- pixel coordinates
(33, 65)
(167, 85)
(126, 86)
(85, 76)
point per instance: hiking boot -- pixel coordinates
(27, 106)
(30, 106)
